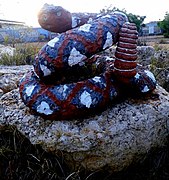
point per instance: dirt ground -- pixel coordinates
(159, 41)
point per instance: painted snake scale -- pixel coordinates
(54, 88)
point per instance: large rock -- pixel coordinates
(6, 50)
(114, 138)
(10, 77)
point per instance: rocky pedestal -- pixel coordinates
(114, 138)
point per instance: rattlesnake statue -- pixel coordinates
(70, 77)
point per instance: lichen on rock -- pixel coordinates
(113, 138)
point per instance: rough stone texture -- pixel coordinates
(161, 71)
(114, 138)
(10, 77)
(145, 54)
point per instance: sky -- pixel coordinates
(26, 10)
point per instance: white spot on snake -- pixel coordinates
(86, 99)
(137, 76)
(97, 79)
(45, 70)
(149, 74)
(106, 16)
(29, 90)
(44, 108)
(90, 20)
(52, 42)
(85, 27)
(64, 90)
(35, 73)
(75, 57)
(74, 22)
(109, 41)
(146, 89)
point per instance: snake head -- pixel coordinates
(54, 18)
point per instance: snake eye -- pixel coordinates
(44, 17)
(58, 13)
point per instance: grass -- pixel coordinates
(21, 160)
(24, 54)
(158, 42)
(159, 65)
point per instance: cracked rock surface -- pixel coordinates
(114, 138)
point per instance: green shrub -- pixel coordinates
(162, 41)
(164, 25)
(159, 65)
(24, 54)
(157, 47)
(16, 59)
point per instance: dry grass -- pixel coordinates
(24, 54)
(21, 160)
(160, 41)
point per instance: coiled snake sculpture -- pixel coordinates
(70, 79)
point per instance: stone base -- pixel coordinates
(114, 138)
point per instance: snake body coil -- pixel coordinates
(48, 90)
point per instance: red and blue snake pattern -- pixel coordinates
(54, 88)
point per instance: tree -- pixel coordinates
(138, 20)
(164, 25)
